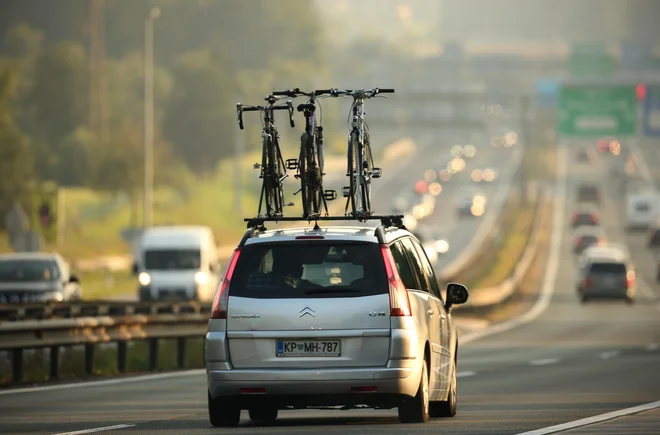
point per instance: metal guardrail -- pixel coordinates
(40, 311)
(91, 331)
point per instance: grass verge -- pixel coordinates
(72, 362)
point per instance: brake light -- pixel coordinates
(575, 217)
(399, 300)
(219, 310)
(594, 219)
(587, 282)
(580, 241)
(630, 278)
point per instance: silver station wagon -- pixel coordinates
(340, 317)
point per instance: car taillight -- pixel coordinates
(399, 300)
(587, 282)
(219, 310)
(594, 219)
(630, 278)
(580, 241)
(575, 218)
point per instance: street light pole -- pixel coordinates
(154, 13)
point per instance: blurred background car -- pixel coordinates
(37, 277)
(585, 214)
(586, 237)
(606, 273)
(589, 192)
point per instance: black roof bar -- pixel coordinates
(386, 220)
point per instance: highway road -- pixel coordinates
(433, 152)
(560, 362)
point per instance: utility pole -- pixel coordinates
(154, 13)
(98, 93)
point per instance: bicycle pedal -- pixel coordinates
(289, 204)
(346, 191)
(297, 192)
(292, 164)
(257, 166)
(376, 172)
(330, 195)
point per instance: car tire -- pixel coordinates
(263, 415)
(630, 301)
(416, 409)
(447, 408)
(223, 413)
(584, 299)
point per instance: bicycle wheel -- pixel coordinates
(275, 170)
(319, 199)
(302, 168)
(353, 174)
(264, 179)
(366, 174)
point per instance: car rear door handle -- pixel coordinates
(430, 312)
(442, 316)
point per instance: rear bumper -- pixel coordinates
(608, 293)
(329, 387)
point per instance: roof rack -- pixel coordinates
(385, 220)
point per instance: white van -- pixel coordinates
(177, 262)
(642, 209)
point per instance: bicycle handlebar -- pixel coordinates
(240, 108)
(298, 93)
(361, 93)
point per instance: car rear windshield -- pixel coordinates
(172, 259)
(642, 206)
(610, 268)
(588, 190)
(589, 238)
(315, 269)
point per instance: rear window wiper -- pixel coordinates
(328, 290)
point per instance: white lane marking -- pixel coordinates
(550, 277)
(653, 347)
(594, 419)
(608, 355)
(465, 374)
(117, 381)
(98, 429)
(544, 362)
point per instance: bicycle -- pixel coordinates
(272, 165)
(360, 163)
(310, 163)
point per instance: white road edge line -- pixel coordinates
(594, 419)
(550, 277)
(97, 429)
(544, 362)
(465, 374)
(117, 381)
(608, 355)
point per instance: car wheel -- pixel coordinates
(446, 408)
(416, 409)
(263, 415)
(630, 301)
(584, 299)
(223, 413)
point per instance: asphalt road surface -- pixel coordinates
(561, 362)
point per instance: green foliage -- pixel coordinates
(15, 159)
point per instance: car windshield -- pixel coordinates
(28, 271)
(172, 259)
(315, 269)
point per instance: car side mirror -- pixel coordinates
(74, 278)
(456, 294)
(134, 269)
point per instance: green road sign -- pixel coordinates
(597, 110)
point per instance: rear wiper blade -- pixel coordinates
(327, 290)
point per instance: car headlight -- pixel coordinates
(144, 279)
(442, 246)
(52, 296)
(201, 278)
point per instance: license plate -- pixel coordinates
(299, 348)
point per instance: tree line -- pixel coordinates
(209, 54)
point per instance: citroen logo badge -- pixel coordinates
(306, 312)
